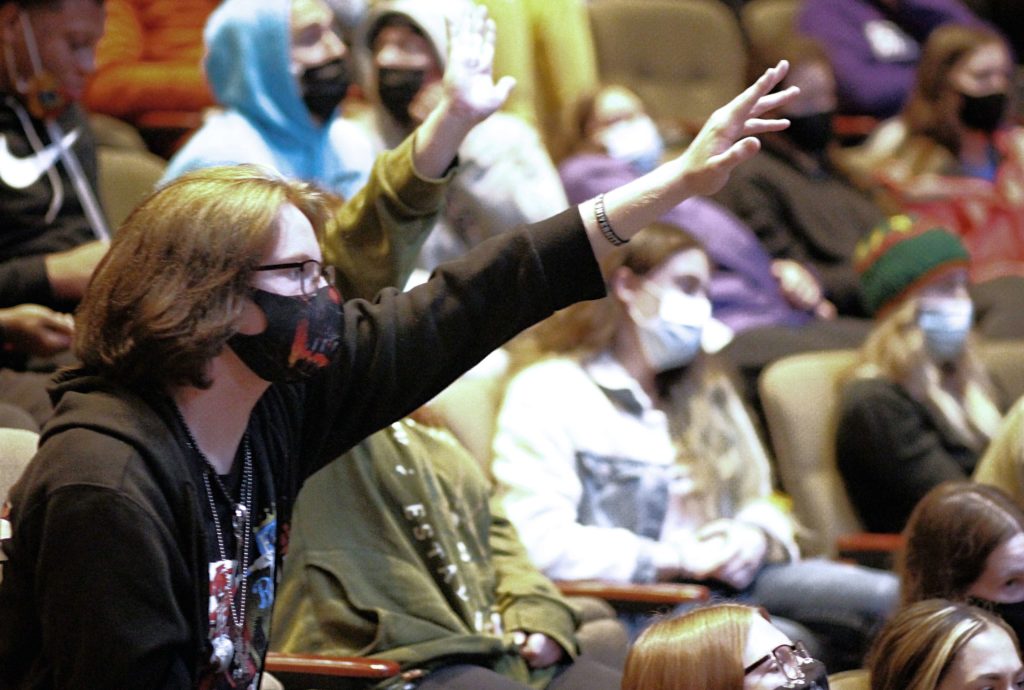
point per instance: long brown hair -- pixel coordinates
(949, 537)
(168, 293)
(932, 109)
(700, 650)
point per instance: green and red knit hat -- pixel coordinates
(900, 255)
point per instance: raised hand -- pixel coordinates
(726, 140)
(468, 96)
(728, 137)
(469, 85)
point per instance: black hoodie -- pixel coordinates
(107, 583)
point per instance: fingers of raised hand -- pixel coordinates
(472, 40)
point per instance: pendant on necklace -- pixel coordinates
(239, 519)
(239, 671)
(223, 652)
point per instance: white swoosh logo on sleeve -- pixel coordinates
(20, 173)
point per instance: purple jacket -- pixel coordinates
(874, 50)
(743, 292)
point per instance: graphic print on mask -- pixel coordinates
(635, 141)
(670, 325)
(302, 335)
(984, 113)
(397, 89)
(323, 87)
(945, 323)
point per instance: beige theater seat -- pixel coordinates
(800, 395)
(684, 58)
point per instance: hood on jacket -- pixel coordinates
(248, 66)
(430, 17)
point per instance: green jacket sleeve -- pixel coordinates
(376, 235)
(528, 600)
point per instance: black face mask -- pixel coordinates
(324, 87)
(1012, 614)
(301, 337)
(984, 113)
(810, 133)
(397, 89)
(815, 678)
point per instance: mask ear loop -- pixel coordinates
(30, 42)
(86, 197)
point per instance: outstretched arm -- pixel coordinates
(726, 140)
(469, 95)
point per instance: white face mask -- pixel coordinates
(669, 324)
(635, 141)
(945, 323)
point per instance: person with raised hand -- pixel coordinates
(147, 532)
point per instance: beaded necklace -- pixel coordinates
(229, 648)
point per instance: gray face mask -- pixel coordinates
(945, 323)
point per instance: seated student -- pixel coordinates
(394, 553)
(720, 647)
(51, 219)
(616, 141)
(965, 542)
(125, 520)
(505, 175)
(279, 68)
(797, 201)
(941, 645)
(875, 46)
(919, 408)
(771, 307)
(957, 157)
(625, 453)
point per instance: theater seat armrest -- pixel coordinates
(661, 593)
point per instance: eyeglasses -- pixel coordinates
(790, 659)
(308, 273)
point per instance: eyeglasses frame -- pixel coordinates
(328, 273)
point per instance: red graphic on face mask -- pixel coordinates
(316, 352)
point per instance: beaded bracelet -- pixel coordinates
(602, 222)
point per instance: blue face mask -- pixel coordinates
(669, 325)
(945, 323)
(635, 141)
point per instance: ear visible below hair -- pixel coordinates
(624, 284)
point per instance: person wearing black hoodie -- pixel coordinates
(147, 533)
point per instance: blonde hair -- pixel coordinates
(700, 650)
(919, 644)
(1002, 464)
(958, 395)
